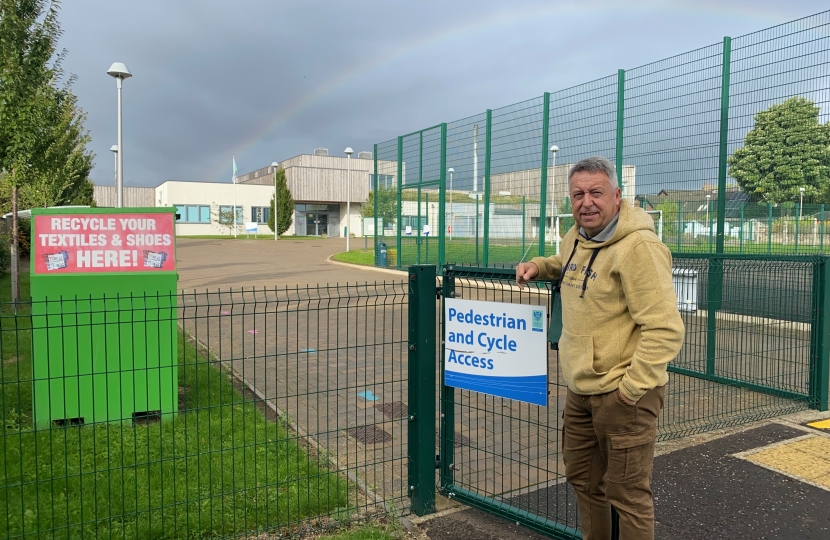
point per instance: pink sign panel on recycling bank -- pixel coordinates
(82, 243)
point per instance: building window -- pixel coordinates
(224, 209)
(193, 213)
(260, 214)
(385, 181)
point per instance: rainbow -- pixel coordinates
(499, 20)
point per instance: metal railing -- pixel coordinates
(283, 411)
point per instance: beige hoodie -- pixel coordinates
(626, 328)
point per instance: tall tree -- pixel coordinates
(387, 205)
(285, 204)
(66, 163)
(29, 32)
(787, 149)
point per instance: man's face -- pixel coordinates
(595, 200)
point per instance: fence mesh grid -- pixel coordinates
(286, 414)
(753, 361)
(672, 127)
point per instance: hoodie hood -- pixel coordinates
(631, 219)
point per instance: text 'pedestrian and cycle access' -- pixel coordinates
(496, 348)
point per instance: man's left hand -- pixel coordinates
(626, 400)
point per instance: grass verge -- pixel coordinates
(216, 468)
(364, 257)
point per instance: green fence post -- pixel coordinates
(375, 201)
(418, 225)
(679, 225)
(819, 349)
(769, 229)
(400, 203)
(447, 438)
(477, 262)
(711, 221)
(715, 274)
(487, 142)
(420, 180)
(442, 199)
(724, 139)
(426, 203)
(421, 387)
(543, 199)
(620, 125)
(821, 231)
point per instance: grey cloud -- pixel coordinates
(210, 76)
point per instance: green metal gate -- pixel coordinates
(504, 457)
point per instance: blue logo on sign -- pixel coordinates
(538, 320)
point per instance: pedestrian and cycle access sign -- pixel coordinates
(496, 348)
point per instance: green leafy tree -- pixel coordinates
(66, 162)
(387, 205)
(29, 33)
(285, 206)
(224, 218)
(671, 213)
(786, 149)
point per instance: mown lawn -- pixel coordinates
(363, 257)
(217, 468)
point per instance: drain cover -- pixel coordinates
(369, 434)
(393, 411)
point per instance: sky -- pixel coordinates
(267, 80)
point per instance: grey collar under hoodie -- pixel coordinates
(605, 234)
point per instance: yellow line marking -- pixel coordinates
(821, 424)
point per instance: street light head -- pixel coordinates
(554, 149)
(275, 164)
(450, 170)
(801, 189)
(114, 148)
(119, 69)
(349, 151)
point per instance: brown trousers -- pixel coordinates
(608, 448)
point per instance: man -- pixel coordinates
(620, 329)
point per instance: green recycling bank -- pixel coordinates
(103, 284)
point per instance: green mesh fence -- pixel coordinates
(754, 348)
(290, 416)
(493, 187)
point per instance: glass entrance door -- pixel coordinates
(316, 224)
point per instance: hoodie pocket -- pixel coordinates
(576, 356)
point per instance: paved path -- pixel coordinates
(215, 264)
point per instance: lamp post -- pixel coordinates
(114, 150)
(120, 72)
(349, 153)
(276, 166)
(553, 150)
(451, 171)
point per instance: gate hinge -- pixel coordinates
(437, 461)
(438, 292)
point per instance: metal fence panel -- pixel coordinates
(740, 362)
(290, 418)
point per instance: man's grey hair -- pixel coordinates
(596, 164)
